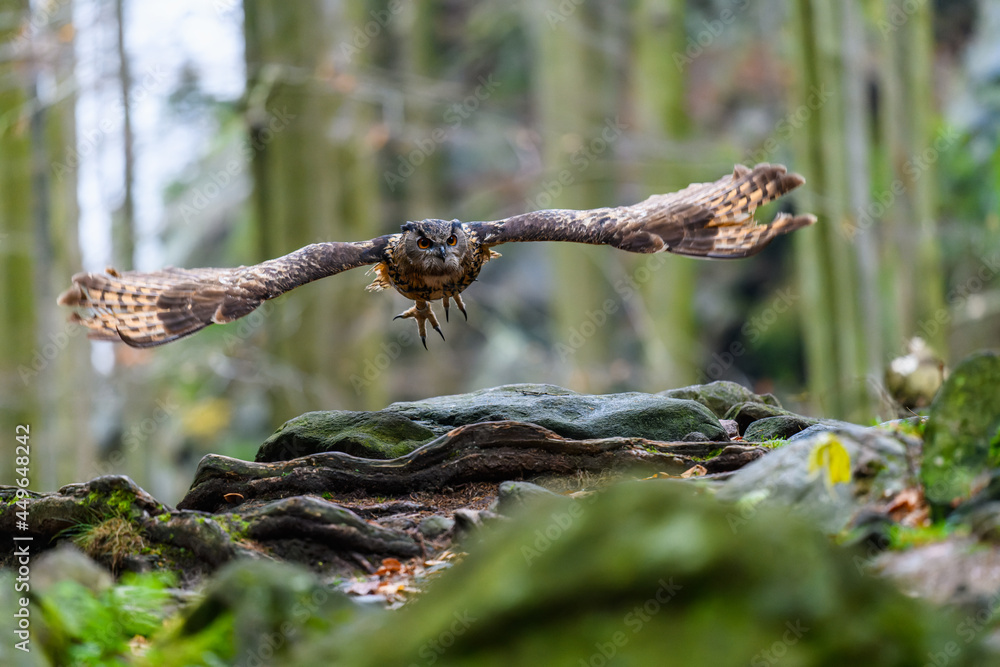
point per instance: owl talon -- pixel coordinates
(461, 306)
(422, 313)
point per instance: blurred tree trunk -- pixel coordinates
(421, 64)
(906, 191)
(359, 215)
(311, 184)
(65, 385)
(658, 86)
(123, 221)
(870, 270)
(828, 265)
(18, 323)
(857, 132)
(577, 101)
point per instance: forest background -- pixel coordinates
(196, 133)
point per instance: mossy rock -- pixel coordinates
(748, 412)
(879, 465)
(402, 427)
(572, 415)
(962, 438)
(720, 396)
(371, 435)
(644, 574)
(779, 427)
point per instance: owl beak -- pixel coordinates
(441, 251)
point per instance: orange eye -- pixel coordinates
(423, 243)
(452, 240)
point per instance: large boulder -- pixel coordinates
(962, 440)
(720, 396)
(878, 468)
(402, 427)
(370, 435)
(650, 573)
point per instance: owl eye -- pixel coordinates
(424, 243)
(452, 240)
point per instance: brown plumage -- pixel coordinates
(434, 259)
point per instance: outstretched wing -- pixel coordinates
(147, 309)
(703, 220)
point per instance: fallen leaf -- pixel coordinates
(831, 458)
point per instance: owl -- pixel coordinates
(433, 260)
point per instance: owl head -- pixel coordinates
(436, 246)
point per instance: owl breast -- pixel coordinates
(415, 282)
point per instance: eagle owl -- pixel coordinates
(433, 259)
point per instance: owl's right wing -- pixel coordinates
(147, 309)
(713, 220)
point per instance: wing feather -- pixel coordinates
(148, 309)
(714, 220)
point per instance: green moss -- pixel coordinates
(902, 538)
(774, 444)
(117, 503)
(235, 526)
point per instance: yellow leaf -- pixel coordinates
(830, 457)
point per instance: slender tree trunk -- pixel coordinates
(123, 221)
(827, 263)
(18, 321)
(65, 385)
(668, 329)
(909, 151)
(576, 97)
(313, 182)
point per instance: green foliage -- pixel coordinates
(902, 538)
(82, 627)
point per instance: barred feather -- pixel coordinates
(147, 309)
(713, 220)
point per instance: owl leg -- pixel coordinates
(421, 312)
(461, 306)
(458, 302)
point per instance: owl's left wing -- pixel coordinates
(147, 309)
(713, 220)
